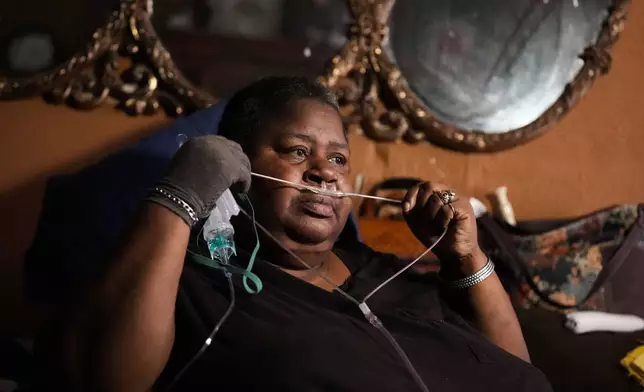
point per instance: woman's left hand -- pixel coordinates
(427, 217)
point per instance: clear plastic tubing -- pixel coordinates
(323, 191)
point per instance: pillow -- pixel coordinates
(84, 213)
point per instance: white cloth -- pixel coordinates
(593, 321)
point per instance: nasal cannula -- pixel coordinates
(323, 191)
(369, 315)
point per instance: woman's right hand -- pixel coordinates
(202, 169)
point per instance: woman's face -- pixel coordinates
(306, 145)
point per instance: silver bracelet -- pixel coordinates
(472, 280)
(180, 202)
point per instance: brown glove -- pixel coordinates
(202, 169)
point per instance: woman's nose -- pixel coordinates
(321, 170)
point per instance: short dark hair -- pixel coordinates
(263, 101)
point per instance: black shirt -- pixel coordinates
(294, 336)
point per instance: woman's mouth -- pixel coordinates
(317, 206)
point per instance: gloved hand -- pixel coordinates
(202, 169)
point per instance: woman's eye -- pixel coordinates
(298, 153)
(338, 160)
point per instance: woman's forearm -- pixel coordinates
(120, 337)
(493, 312)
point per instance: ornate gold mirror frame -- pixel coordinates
(126, 65)
(376, 95)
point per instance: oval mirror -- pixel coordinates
(492, 66)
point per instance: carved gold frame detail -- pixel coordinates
(126, 65)
(376, 97)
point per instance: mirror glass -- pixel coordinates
(39, 38)
(319, 22)
(494, 65)
(221, 45)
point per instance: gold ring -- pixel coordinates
(446, 197)
(453, 210)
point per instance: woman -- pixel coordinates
(151, 313)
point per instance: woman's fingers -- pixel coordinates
(433, 206)
(423, 199)
(440, 213)
(423, 204)
(410, 198)
(443, 216)
(416, 197)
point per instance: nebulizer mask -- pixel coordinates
(218, 233)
